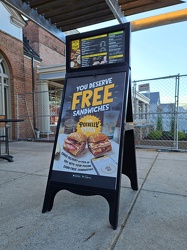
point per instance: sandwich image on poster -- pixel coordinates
(77, 154)
(99, 144)
(75, 143)
(88, 139)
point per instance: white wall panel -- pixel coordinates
(7, 26)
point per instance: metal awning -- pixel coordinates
(66, 15)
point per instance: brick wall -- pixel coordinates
(20, 68)
(12, 51)
(31, 32)
(50, 49)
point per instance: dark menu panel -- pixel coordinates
(94, 50)
(98, 50)
(116, 47)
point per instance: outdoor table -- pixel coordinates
(7, 156)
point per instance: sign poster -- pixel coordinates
(98, 50)
(87, 148)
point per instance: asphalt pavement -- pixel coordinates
(154, 217)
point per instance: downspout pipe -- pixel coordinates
(159, 20)
(33, 94)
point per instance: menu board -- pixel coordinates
(98, 50)
(90, 150)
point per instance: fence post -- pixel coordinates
(176, 141)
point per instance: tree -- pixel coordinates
(159, 123)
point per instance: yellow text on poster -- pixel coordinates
(94, 97)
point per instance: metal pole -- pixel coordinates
(176, 141)
(134, 99)
(159, 20)
(33, 94)
(177, 111)
(18, 129)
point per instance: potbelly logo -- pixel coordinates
(89, 125)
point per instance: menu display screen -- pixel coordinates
(96, 50)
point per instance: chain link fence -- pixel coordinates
(160, 112)
(40, 111)
(159, 107)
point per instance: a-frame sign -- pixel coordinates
(92, 147)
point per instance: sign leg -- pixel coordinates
(113, 201)
(129, 159)
(51, 191)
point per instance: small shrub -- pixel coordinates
(155, 135)
(166, 135)
(181, 135)
(159, 123)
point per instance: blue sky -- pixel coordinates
(159, 51)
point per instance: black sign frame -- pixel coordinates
(126, 157)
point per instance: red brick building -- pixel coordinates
(22, 93)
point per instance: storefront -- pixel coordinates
(50, 87)
(25, 93)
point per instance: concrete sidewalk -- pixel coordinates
(154, 217)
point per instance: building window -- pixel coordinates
(4, 88)
(55, 95)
